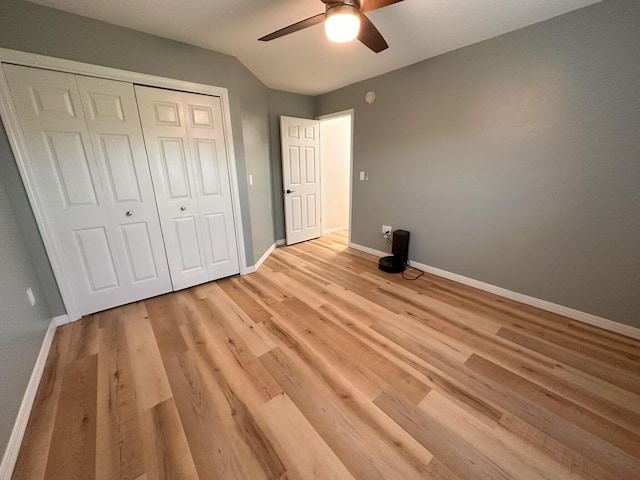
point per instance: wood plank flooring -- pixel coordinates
(319, 366)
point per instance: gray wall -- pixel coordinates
(290, 105)
(22, 327)
(515, 161)
(37, 29)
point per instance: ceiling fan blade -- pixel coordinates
(370, 36)
(309, 22)
(369, 5)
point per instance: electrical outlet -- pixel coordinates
(386, 230)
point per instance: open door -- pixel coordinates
(300, 140)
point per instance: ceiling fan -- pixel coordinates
(344, 20)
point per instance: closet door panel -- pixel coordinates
(163, 125)
(118, 158)
(220, 249)
(58, 140)
(187, 151)
(97, 259)
(114, 127)
(76, 188)
(174, 169)
(186, 229)
(208, 171)
(65, 173)
(140, 254)
(73, 172)
(208, 148)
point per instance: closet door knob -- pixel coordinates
(129, 213)
(290, 191)
(183, 208)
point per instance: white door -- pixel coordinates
(189, 166)
(87, 160)
(301, 178)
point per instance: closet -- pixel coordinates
(134, 183)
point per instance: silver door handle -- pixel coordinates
(290, 191)
(129, 213)
(183, 208)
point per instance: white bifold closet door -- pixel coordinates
(188, 157)
(88, 163)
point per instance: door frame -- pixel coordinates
(343, 113)
(18, 144)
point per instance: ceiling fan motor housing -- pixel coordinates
(346, 5)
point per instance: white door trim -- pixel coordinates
(345, 113)
(18, 144)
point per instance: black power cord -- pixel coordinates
(414, 278)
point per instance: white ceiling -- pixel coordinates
(305, 61)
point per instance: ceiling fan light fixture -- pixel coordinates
(342, 23)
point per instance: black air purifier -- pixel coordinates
(397, 262)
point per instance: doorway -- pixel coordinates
(317, 175)
(335, 162)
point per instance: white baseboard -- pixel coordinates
(280, 241)
(335, 229)
(15, 440)
(370, 251)
(260, 261)
(578, 315)
(61, 320)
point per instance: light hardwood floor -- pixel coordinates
(321, 366)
